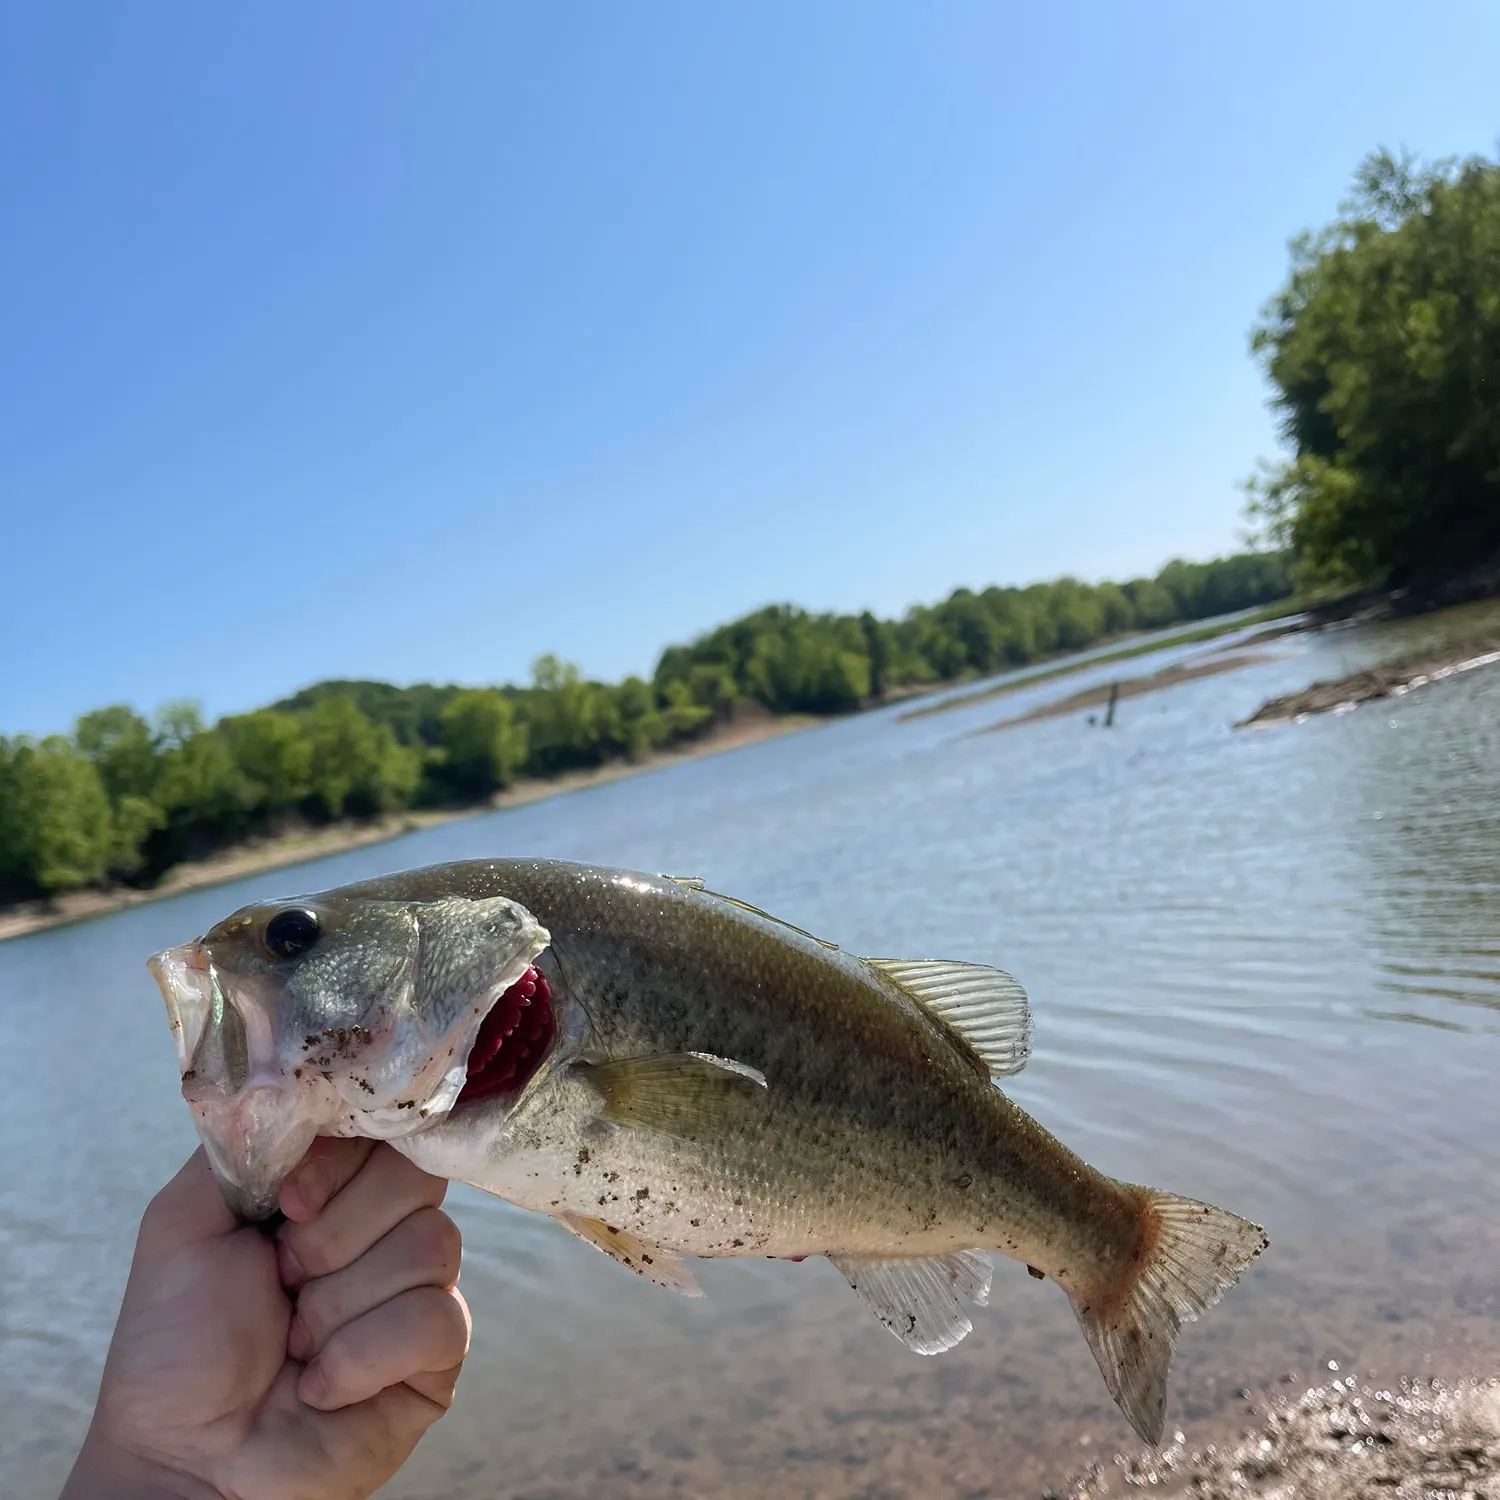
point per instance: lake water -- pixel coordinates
(1265, 971)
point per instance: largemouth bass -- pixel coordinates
(670, 1073)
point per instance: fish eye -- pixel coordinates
(291, 932)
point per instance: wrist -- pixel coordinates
(103, 1471)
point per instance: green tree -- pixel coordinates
(177, 721)
(713, 685)
(681, 715)
(1119, 613)
(877, 636)
(964, 618)
(205, 796)
(572, 722)
(930, 651)
(1151, 604)
(1383, 348)
(641, 720)
(122, 747)
(1077, 613)
(1014, 625)
(56, 828)
(273, 754)
(355, 767)
(483, 741)
(1036, 599)
(134, 820)
(802, 664)
(413, 714)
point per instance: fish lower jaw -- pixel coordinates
(253, 1140)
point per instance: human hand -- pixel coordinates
(301, 1368)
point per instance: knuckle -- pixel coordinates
(430, 1190)
(439, 1244)
(455, 1328)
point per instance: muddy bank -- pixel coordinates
(1408, 1438)
(295, 846)
(1132, 687)
(1391, 679)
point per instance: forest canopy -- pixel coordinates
(1383, 351)
(124, 798)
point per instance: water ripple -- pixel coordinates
(1264, 970)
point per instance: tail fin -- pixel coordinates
(1191, 1255)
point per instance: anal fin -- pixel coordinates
(919, 1300)
(664, 1267)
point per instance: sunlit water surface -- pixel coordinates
(1265, 970)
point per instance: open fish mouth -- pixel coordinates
(512, 1042)
(257, 1107)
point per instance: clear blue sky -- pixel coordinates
(410, 341)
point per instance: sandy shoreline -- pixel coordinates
(1410, 1438)
(1391, 679)
(276, 851)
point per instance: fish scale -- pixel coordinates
(715, 1083)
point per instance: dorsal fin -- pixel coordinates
(986, 1007)
(695, 883)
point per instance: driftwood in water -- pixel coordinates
(1131, 687)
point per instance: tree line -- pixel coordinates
(1383, 351)
(124, 798)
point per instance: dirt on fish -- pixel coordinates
(1391, 679)
(1133, 687)
(1408, 1439)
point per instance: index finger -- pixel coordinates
(381, 1194)
(329, 1166)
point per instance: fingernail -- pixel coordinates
(289, 1266)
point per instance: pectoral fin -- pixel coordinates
(918, 1300)
(664, 1267)
(680, 1093)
